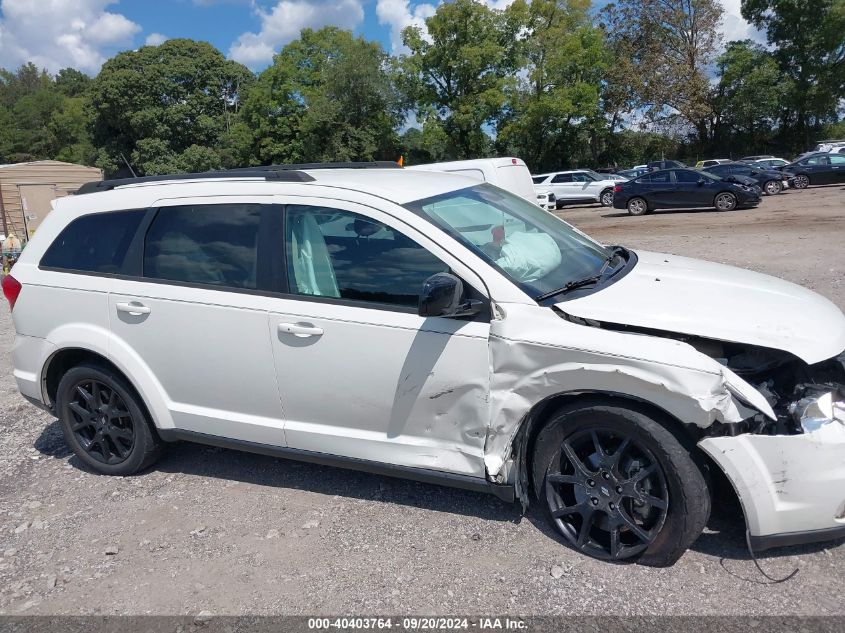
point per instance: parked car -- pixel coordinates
(634, 172)
(772, 162)
(433, 327)
(817, 169)
(665, 164)
(684, 189)
(751, 159)
(769, 180)
(712, 162)
(577, 185)
(831, 146)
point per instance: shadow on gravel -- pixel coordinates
(724, 537)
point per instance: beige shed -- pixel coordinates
(27, 189)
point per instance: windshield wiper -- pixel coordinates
(586, 281)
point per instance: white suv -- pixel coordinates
(429, 326)
(578, 185)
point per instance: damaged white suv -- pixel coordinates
(425, 325)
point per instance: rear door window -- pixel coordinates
(562, 178)
(95, 243)
(214, 244)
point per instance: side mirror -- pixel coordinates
(701, 182)
(443, 295)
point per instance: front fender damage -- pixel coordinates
(686, 385)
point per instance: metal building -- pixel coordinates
(27, 189)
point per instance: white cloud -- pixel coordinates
(55, 34)
(154, 39)
(286, 19)
(399, 14)
(734, 26)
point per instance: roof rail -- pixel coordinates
(285, 173)
(374, 164)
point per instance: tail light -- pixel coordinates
(11, 289)
(617, 189)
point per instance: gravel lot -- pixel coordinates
(232, 533)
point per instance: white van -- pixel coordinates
(511, 174)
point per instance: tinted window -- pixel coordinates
(817, 160)
(682, 175)
(742, 171)
(345, 255)
(538, 179)
(661, 176)
(94, 243)
(837, 160)
(562, 178)
(581, 177)
(721, 170)
(205, 244)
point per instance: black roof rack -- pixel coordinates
(284, 173)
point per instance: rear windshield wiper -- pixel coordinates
(586, 281)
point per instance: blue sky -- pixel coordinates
(84, 33)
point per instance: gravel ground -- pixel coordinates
(232, 533)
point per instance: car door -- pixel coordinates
(837, 167)
(657, 189)
(819, 170)
(584, 187)
(193, 316)
(361, 375)
(562, 186)
(685, 190)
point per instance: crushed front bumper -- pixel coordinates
(791, 487)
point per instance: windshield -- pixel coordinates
(533, 248)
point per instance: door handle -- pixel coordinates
(134, 308)
(300, 329)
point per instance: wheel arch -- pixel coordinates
(534, 421)
(63, 359)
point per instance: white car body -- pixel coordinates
(510, 174)
(577, 185)
(437, 398)
(546, 200)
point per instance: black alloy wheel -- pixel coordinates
(105, 421)
(607, 493)
(101, 422)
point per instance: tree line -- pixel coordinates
(551, 81)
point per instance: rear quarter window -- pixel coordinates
(95, 243)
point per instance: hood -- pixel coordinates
(690, 296)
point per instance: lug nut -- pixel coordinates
(612, 506)
(606, 475)
(619, 490)
(595, 501)
(591, 483)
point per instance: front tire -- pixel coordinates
(617, 485)
(802, 181)
(637, 206)
(773, 187)
(606, 198)
(104, 421)
(725, 201)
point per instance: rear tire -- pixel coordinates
(636, 494)
(637, 206)
(104, 421)
(773, 187)
(606, 198)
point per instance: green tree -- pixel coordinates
(563, 59)
(460, 71)
(154, 105)
(329, 96)
(747, 100)
(808, 38)
(666, 48)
